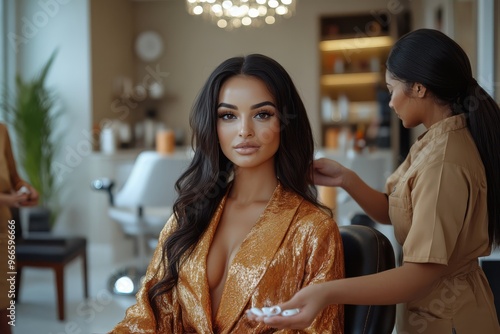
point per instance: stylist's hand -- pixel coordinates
(328, 172)
(13, 200)
(311, 300)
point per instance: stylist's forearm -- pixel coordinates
(373, 202)
(398, 285)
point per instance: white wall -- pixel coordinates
(424, 14)
(43, 26)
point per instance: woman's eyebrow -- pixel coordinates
(265, 103)
(255, 106)
(227, 105)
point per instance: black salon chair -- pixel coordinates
(367, 251)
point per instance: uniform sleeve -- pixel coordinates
(439, 198)
(139, 318)
(324, 262)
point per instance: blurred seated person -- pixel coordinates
(14, 193)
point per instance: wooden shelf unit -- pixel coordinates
(353, 50)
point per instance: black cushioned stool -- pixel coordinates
(44, 250)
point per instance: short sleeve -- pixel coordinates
(439, 198)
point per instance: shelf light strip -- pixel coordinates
(343, 79)
(356, 43)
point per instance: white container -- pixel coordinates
(108, 140)
(338, 66)
(149, 133)
(326, 109)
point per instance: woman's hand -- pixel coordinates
(328, 172)
(311, 300)
(13, 200)
(32, 198)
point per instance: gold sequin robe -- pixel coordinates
(292, 245)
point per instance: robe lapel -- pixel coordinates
(254, 256)
(194, 286)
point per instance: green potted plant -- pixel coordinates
(30, 113)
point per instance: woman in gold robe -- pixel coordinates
(10, 184)
(443, 200)
(247, 230)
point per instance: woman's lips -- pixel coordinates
(246, 149)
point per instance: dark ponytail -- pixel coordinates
(483, 121)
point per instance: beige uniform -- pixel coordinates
(437, 204)
(9, 180)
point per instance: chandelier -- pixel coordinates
(229, 14)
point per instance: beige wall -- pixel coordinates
(465, 29)
(193, 47)
(111, 31)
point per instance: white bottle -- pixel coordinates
(343, 106)
(149, 132)
(108, 140)
(326, 109)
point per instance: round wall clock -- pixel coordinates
(148, 46)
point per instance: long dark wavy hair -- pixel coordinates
(434, 60)
(206, 180)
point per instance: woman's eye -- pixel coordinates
(226, 116)
(264, 115)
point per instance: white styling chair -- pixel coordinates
(141, 207)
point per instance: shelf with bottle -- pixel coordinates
(344, 111)
(354, 56)
(353, 115)
(353, 50)
(358, 75)
(357, 137)
(342, 117)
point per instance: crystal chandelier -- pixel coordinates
(229, 14)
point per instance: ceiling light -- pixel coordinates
(230, 14)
